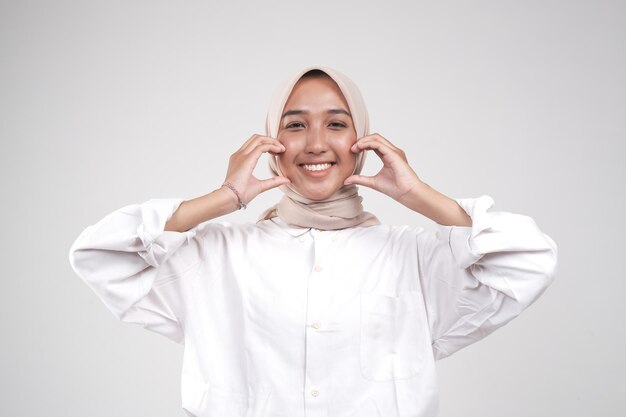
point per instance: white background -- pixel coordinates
(104, 104)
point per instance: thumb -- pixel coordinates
(360, 180)
(273, 182)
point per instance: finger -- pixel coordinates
(372, 144)
(260, 140)
(360, 180)
(246, 143)
(273, 182)
(266, 147)
(378, 137)
(381, 148)
(271, 144)
(245, 163)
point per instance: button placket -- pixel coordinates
(318, 339)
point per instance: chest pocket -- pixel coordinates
(393, 336)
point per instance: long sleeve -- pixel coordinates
(476, 279)
(124, 259)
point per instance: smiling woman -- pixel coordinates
(318, 133)
(318, 122)
(316, 309)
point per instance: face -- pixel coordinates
(317, 131)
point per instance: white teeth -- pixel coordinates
(316, 167)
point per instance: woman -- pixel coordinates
(317, 309)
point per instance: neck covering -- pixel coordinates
(342, 209)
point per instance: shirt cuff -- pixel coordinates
(459, 239)
(492, 232)
(158, 243)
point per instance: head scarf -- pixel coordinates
(344, 208)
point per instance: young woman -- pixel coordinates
(317, 309)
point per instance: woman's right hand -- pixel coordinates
(243, 162)
(222, 201)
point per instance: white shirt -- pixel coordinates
(281, 321)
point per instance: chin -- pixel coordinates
(317, 195)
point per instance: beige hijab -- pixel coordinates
(344, 208)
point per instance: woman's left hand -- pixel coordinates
(396, 178)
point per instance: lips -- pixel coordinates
(317, 167)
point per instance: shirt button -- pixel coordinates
(318, 268)
(315, 393)
(316, 325)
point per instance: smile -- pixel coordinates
(316, 167)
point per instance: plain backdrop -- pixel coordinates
(105, 104)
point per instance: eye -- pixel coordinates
(294, 125)
(337, 125)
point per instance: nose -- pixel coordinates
(316, 141)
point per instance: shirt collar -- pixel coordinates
(295, 231)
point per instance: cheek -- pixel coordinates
(344, 143)
(285, 160)
(290, 140)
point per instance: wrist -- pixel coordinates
(436, 206)
(415, 197)
(228, 201)
(231, 187)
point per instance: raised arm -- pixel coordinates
(400, 182)
(226, 200)
(136, 258)
(476, 279)
(478, 269)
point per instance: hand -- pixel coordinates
(396, 178)
(242, 163)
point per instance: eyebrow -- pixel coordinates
(331, 111)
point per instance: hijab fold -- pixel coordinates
(344, 208)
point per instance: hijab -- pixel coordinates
(344, 208)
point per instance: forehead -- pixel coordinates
(314, 92)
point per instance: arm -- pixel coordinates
(134, 266)
(476, 279)
(223, 201)
(201, 209)
(398, 180)
(136, 258)
(479, 269)
(439, 208)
